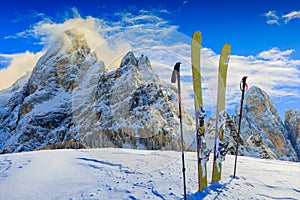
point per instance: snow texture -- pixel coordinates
(138, 174)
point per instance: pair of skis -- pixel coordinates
(219, 149)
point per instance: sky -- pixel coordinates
(264, 35)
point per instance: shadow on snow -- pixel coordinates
(216, 188)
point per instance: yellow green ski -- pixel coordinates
(219, 149)
(202, 151)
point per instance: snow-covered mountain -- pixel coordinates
(262, 129)
(69, 96)
(133, 108)
(71, 99)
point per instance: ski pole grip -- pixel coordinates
(177, 66)
(243, 83)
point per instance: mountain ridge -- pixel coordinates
(70, 96)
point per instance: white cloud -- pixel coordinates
(291, 15)
(273, 70)
(20, 64)
(273, 18)
(275, 54)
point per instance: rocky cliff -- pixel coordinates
(262, 129)
(133, 108)
(230, 135)
(292, 123)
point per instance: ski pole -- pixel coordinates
(243, 87)
(175, 74)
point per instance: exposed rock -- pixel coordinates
(292, 123)
(260, 117)
(230, 135)
(133, 108)
(256, 147)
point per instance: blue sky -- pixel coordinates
(241, 23)
(264, 35)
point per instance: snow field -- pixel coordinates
(139, 174)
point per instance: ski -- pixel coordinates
(202, 151)
(219, 149)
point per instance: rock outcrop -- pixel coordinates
(292, 123)
(231, 136)
(262, 128)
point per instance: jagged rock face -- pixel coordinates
(40, 113)
(63, 65)
(230, 135)
(292, 123)
(133, 108)
(260, 118)
(256, 147)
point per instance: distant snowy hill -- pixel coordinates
(138, 174)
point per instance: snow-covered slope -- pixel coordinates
(138, 174)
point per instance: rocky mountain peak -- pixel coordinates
(260, 117)
(70, 97)
(41, 113)
(74, 41)
(258, 102)
(129, 59)
(63, 64)
(134, 104)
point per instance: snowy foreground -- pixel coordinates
(137, 174)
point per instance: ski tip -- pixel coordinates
(197, 37)
(227, 47)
